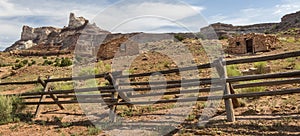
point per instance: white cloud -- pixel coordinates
(146, 16)
(258, 15)
(246, 17)
(289, 6)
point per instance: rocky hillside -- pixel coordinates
(64, 38)
(287, 22)
(225, 30)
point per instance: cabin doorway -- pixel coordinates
(249, 45)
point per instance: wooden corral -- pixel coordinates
(109, 98)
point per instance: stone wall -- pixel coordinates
(260, 43)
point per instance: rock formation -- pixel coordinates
(65, 38)
(81, 34)
(226, 30)
(287, 22)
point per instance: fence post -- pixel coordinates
(114, 97)
(45, 86)
(55, 99)
(235, 101)
(221, 69)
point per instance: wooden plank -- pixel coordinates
(134, 96)
(202, 98)
(260, 94)
(201, 80)
(264, 76)
(230, 79)
(69, 102)
(267, 83)
(73, 96)
(263, 58)
(227, 96)
(19, 83)
(76, 78)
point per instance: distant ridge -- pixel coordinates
(224, 30)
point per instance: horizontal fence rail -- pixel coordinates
(202, 98)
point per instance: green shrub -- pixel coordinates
(179, 38)
(18, 66)
(17, 60)
(291, 60)
(102, 68)
(37, 88)
(44, 57)
(25, 62)
(223, 37)
(261, 66)
(93, 130)
(33, 62)
(64, 86)
(57, 62)
(5, 110)
(253, 89)
(65, 62)
(4, 65)
(232, 70)
(47, 62)
(9, 106)
(297, 66)
(88, 71)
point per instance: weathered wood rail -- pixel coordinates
(108, 92)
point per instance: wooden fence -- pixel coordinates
(113, 92)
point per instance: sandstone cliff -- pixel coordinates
(45, 37)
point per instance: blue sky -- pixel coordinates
(109, 14)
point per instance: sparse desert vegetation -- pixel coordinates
(266, 115)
